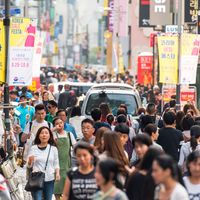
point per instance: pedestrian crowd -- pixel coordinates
(155, 156)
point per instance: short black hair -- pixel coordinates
(87, 120)
(172, 103)
(36, 93)
(54, 120)
(110, 118)
(53, 103)
(96, 114)
(142, 139)
(151, 108)
(121, 111)
(169, 118)
(150, 128)
(122, 128)
(23, 97)
(76, 111)
(121, 118)
(39, 107)
(187, 122)
(84, 145)
(14, 92)
(61, 110)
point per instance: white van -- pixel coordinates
(114, 94)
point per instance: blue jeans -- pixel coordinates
(47, 191)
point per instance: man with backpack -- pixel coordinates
(31, 128)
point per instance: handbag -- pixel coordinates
(36, 179)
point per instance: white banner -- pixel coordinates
(188, 69)
(190, 44)
(20, 70)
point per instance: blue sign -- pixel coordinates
(13, 11)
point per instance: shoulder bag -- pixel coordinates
(36, 179)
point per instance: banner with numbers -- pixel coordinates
(22, 40)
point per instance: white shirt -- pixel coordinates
(179, 192)
(34, 128)
(193, 189)
(76, 123)
(57, 135)
(41, 158)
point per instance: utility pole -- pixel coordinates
(6, 23)
(178, 87)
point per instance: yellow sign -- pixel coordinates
(168, 59)
(22, 32)
(2, 52)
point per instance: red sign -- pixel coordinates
(188, 96)
(145, 64)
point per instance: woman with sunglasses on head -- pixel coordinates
(168, 176)
(44, 154)
(80, 183)
(192, 181)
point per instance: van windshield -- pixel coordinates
(113, 100)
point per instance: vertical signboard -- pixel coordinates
(144, 13)
(190, 44)
(191, 11)
(111, 16)
(160, 12)
(22, 40)
(168, 59)
(2, 52)
(145, 64)
(36, 63)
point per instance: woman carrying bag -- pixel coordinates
(43, 159)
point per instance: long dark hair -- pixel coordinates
(195, 134)
(192, 158)
(114, 148)
(51, 139)
(109, 170)
(167, 162)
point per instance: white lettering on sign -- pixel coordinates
(160, 6)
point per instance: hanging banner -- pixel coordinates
(121, 17)
(37, 63)
(168, 59)
(22, 39)
(160, 12)
(111, 16)
(191, 11)
(145, 64)
(144, 13)
(190, 44)
(2, 52)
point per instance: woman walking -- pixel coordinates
(107, 179)
(43, 155)
(192, 181)
(167, 174)
(64, 144)
(80, 183)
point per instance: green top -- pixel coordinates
(49, 118)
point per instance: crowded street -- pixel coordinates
(99, 100)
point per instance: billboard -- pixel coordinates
(160, 12)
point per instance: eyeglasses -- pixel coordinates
(49, 107)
